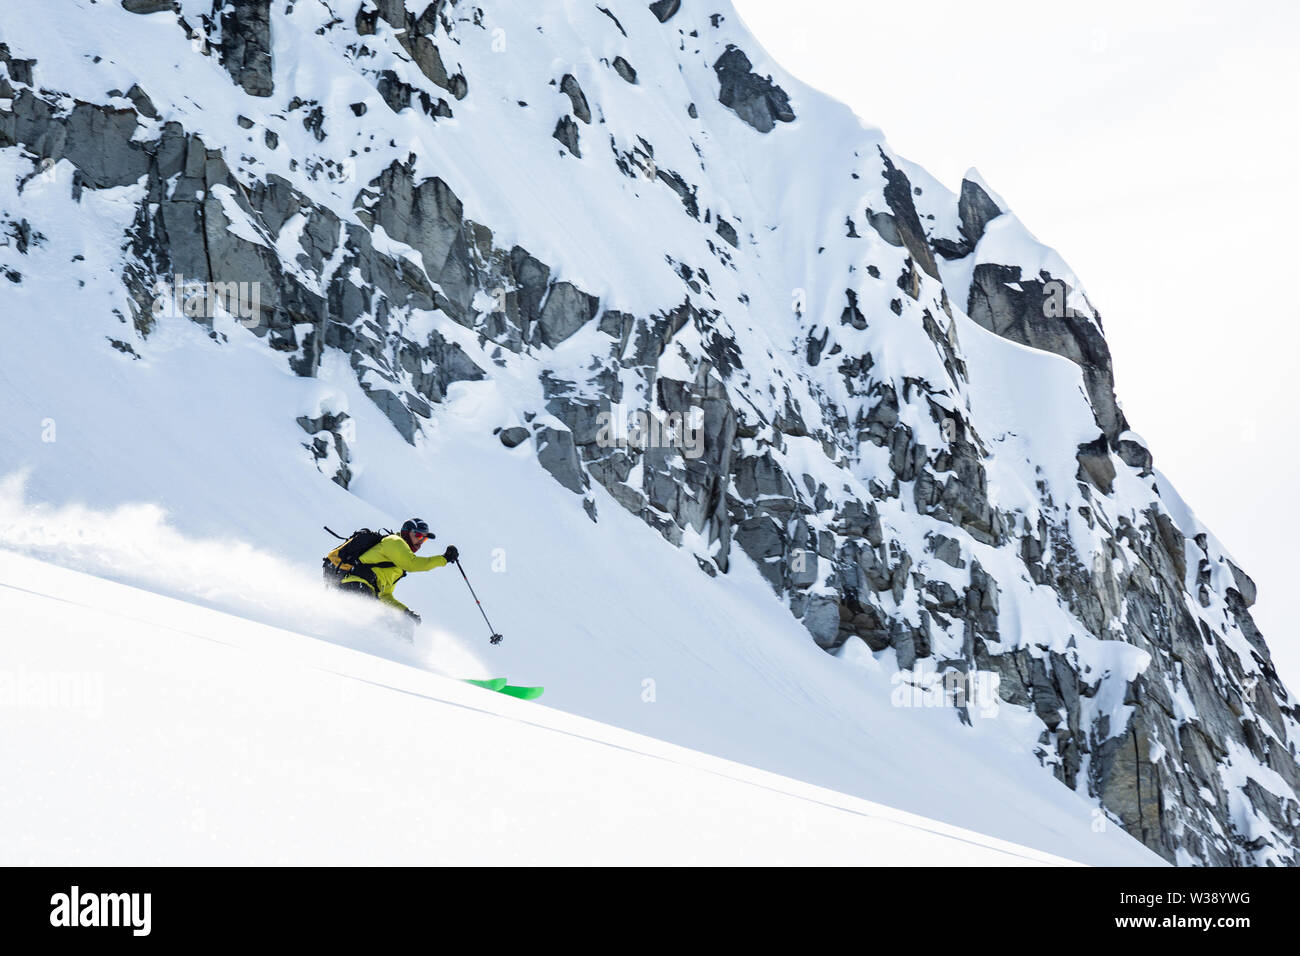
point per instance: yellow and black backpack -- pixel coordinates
(346, 558)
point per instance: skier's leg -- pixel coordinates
(358, 588)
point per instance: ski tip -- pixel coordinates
(523, 693)
(492, 683)
(499, 685)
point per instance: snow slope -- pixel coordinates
(168, 455)
(592, 611)
(142, 730)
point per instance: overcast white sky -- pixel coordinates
(1154, 144)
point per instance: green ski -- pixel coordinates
(499, 685)
(495, 683)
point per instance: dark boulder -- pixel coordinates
(246, 45)
(755, 99)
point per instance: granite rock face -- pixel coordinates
(839, 455)
(1031, 310)
(246, 45)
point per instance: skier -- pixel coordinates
(391, 559)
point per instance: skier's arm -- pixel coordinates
(396, 551)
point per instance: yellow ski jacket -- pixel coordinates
(395, 550)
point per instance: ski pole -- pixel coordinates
(495, 638)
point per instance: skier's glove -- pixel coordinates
(451, 554)
(413, 616)
(494, 639)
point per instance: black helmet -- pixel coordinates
(419, 526)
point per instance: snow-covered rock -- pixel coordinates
(700, 286)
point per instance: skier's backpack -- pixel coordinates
(346, 558)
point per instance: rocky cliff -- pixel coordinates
(722, 303)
